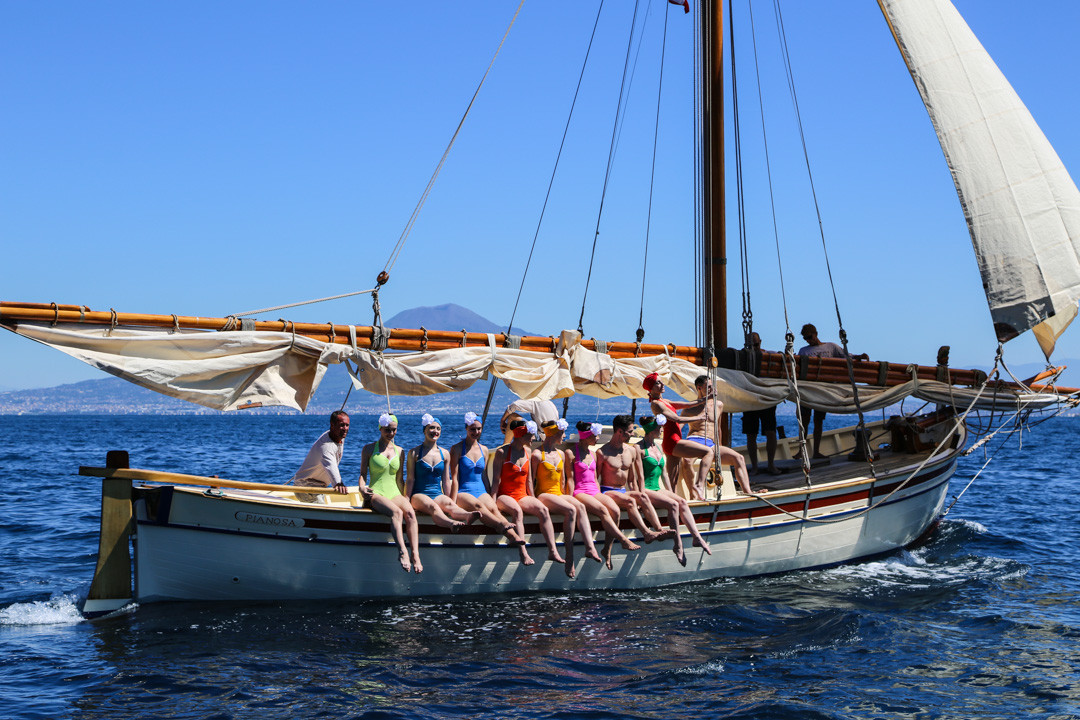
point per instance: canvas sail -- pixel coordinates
(1021, 206)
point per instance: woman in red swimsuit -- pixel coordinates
(513, 488)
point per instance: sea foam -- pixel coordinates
(59, 610)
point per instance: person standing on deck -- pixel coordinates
(817, 348)
(763, 420)
(320, 467)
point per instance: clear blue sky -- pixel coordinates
(210, 158)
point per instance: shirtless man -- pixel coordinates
(619, 469)
(673, 444)
(704, 432)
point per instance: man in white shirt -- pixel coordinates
(320, 467)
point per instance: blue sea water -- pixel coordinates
(982, 621)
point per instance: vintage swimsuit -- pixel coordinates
(653, 470)
(428, 479)
(471, 476)
(672, 431)
(585, 477)
(384, 474)
(549, 477)
(512, 480)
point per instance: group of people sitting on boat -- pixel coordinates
(575, 481)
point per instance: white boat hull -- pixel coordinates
(245, 546)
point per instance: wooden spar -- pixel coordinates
(158, 476)
(408, 339)
(400, 338)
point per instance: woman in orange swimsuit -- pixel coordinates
(550, 483)
(581, 485)
(513, 488)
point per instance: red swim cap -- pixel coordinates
(650, 380)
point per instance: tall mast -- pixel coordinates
(714, 261)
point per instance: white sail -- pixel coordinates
(1022, 208)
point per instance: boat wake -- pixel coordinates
(58, 610)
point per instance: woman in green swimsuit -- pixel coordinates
(658, 485)
(384, 460)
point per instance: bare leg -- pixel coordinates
(751, 451)
(426, 505)
(819, 424)
(695, 451)
(739, 468)
(691, 525)
(669, 503)
(534, 507)
(627, 503)
(770, 452)
(568, 509)
(511, 507)
(387, 507)
(408, 518)
(489, 515)
(647, 510)
(586, 531)
(603, 507)
(451, 509)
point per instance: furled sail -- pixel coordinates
(225, 370)
(1022, 208)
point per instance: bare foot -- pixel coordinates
(473, 517)
(456, 527)
(569, 570)
(753, 471)
(650, 537)
(416, 566)
(680, 555)
(512, 536)
(704, 546)
(526, 559)
(403, 558)
(607, 553)
(554, 556)
(593, 555)
(627, 545)
(665, 533)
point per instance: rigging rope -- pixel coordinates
(744, 261)
(607, 173)
(438, 168)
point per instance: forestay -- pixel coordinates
(1021, 206)
(224, 370)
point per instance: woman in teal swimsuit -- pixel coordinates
(657, 485)
(429, 480)
(383, 459)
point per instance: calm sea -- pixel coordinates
(981, 622)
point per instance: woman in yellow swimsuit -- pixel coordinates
(384, 460)
(550, 486)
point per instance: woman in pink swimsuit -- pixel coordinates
(582, 486)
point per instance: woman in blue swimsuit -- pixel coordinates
(468, 484)
(429, 480)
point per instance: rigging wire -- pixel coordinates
(438, 168)
(652, 181)
(547, 197)
(607, 174)
(744, 260)
(821, 230)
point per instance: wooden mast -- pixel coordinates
(714, 261)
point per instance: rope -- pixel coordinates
(302, 302)
(652, 184)
(744, 260)
(607, 173)
(551, 182)
(438, 168)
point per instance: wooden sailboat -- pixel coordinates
(198, 538)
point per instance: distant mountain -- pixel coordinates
(448, 317)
